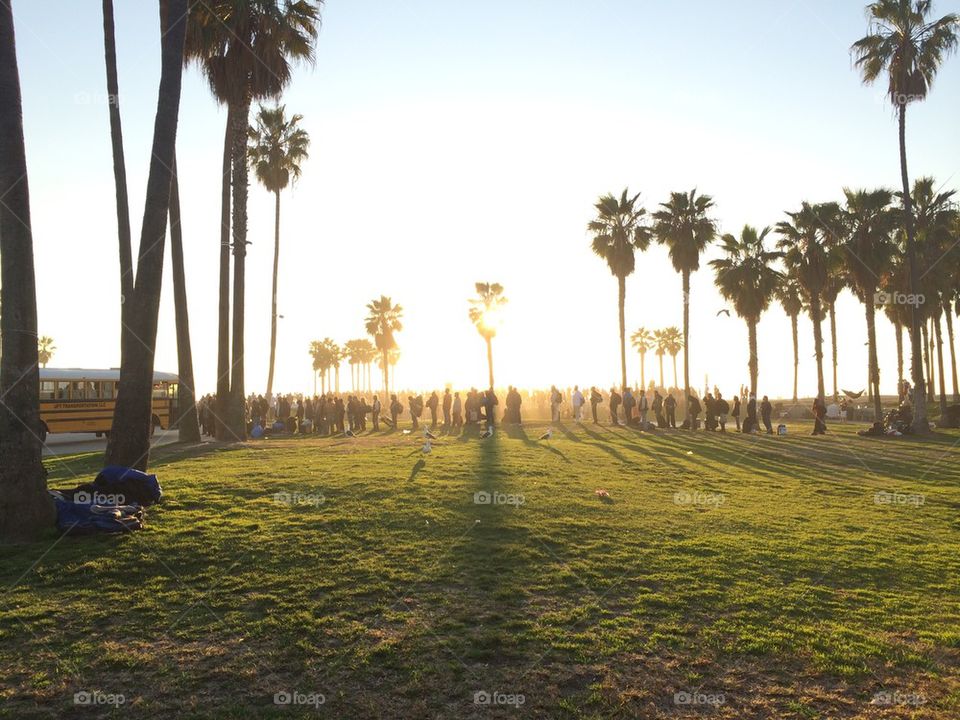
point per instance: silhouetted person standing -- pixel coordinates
(555, 400)
(693, 410)
(750, 425)
(736, 410)
(457, 412)
(615, 402)
(765, 409)
(447, 403)
(375, 413)
(432, 402)
(595, 399)
(670, 407)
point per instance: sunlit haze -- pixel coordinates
(454, 143)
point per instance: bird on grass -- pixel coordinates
(548, 435)
(349, 433)
(429, 435)
(488, 433)
(426, 449)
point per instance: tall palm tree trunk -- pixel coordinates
(662, 384)
(925, 339)
(273, 297)
(872, 361)
(621, 301)
(187, 422)
(129, 443)
(676, 380)
(686, 340)
(938, 333)
(490, 359)
(794, 321)
(119, 175)
(816, 314)
(931, 370)
(240, 186)
(643, 379)
(222, 429)
(898, 327)
(832, 308)
(948, 314)
(753, 363)
(920, 423)
(27, 510)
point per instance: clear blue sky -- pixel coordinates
(455, 142)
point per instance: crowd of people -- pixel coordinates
(655, 408)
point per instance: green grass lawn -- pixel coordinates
(762, 577)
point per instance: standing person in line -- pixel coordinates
(457, 412)
(723, 409)
(670, 407)
(555, 399)
(595, 399)
(447, 402)
(395, 409)
(657, 407)
(736, 411)
(628, 405)
(375, 413)
(432, 402)
(750, 425)
(765, 410)
(693, 410)
(577, 401)
(642, 408)
(615, 402)
(490, 403)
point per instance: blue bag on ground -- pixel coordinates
(87, 517)
(135, 486)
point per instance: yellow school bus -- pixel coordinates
(79, 400)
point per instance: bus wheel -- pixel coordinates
(154, 424)
(99, 434)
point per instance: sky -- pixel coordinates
(458, 142)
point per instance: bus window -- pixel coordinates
(172, 390)
(159, 390)
(63, 390)
(107, 389)
(48, 389)
(90, 390)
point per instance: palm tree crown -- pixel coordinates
(745, 276)
(906, 46)
(485, 308)
(684, 226)
(277, 147)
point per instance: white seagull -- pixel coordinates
(429, 435)
(488, 433)
(547, 435)
(426, 448)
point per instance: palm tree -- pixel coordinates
(382, 323)
(907, 47)
(187, 420)
(277, 148)
(244, 48)
(119, 174)
(747, 279)
(662, 340)
(484, 313)
(674, 344)
(791, 300)
(352, 352)
(936, 218)
(867, 252)
(45, 350)
(27, 510)
(805, 240)
(643, 340)
(319, 351)
(684, 226)
(129, 443)
(618, 231)
(370, 355)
